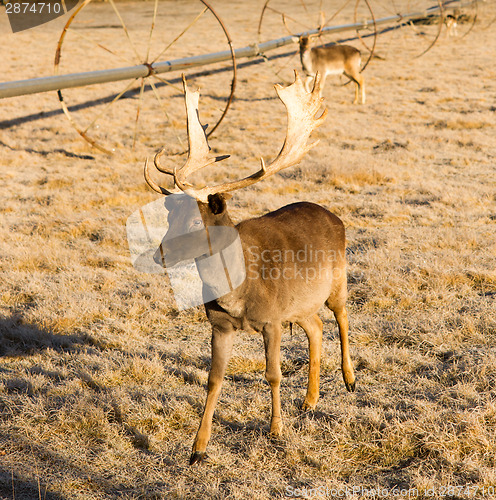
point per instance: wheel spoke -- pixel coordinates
(395, 11)
(321, 16)
(167, 117)
(181, 34)
(327, 21)
(140, 101)
(392, 37)
(304, 5)
(285, 16)
(163, 80)
(104, 110)
(181, 90)
(285, 65)
(152, 27)
(99, 45)
(124, 27)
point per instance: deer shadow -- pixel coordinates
(12, 485)
(19, 338)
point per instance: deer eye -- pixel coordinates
(196, 224)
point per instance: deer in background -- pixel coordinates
(291, 290)
(333, 60)
(451, 22)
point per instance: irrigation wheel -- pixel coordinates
(146, 111)
(280, 18)
(405, 37)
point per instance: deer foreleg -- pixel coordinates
(308, 80)
(313, 329)
(322, 82)
(272, 342)
(222, 341)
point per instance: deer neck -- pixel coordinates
(306, 60)
(223, 272)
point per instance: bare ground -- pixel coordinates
(102, 379)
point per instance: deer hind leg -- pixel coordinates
(273, 375)
(346, 365)
(313, 329)
(359, 85)
(222, 341)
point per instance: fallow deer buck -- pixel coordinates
(333, 60)
(291, 288)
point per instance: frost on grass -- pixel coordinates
(102, 378)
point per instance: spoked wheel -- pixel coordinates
(410, 38)
(463, 14)
(147, 111)
(280, 18)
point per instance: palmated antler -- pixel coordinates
(198, 156)
(302, 108)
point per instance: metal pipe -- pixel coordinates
(48, 83)
(59, 82)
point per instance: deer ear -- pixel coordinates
(170, 202)
(216, 203)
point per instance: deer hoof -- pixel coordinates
(308, 407)
(276, 427)
(197, 457)
(350, 387)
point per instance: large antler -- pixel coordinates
(198, 147)
(302, 108)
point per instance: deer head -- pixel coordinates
(305, 41)
(191, 216)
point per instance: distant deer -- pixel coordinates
(333, 60)
(291, 289)
(451, 22)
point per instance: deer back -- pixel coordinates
(294, 259)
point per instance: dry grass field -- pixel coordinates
(103, 380)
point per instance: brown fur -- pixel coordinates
(298, 242)
(333, 60)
